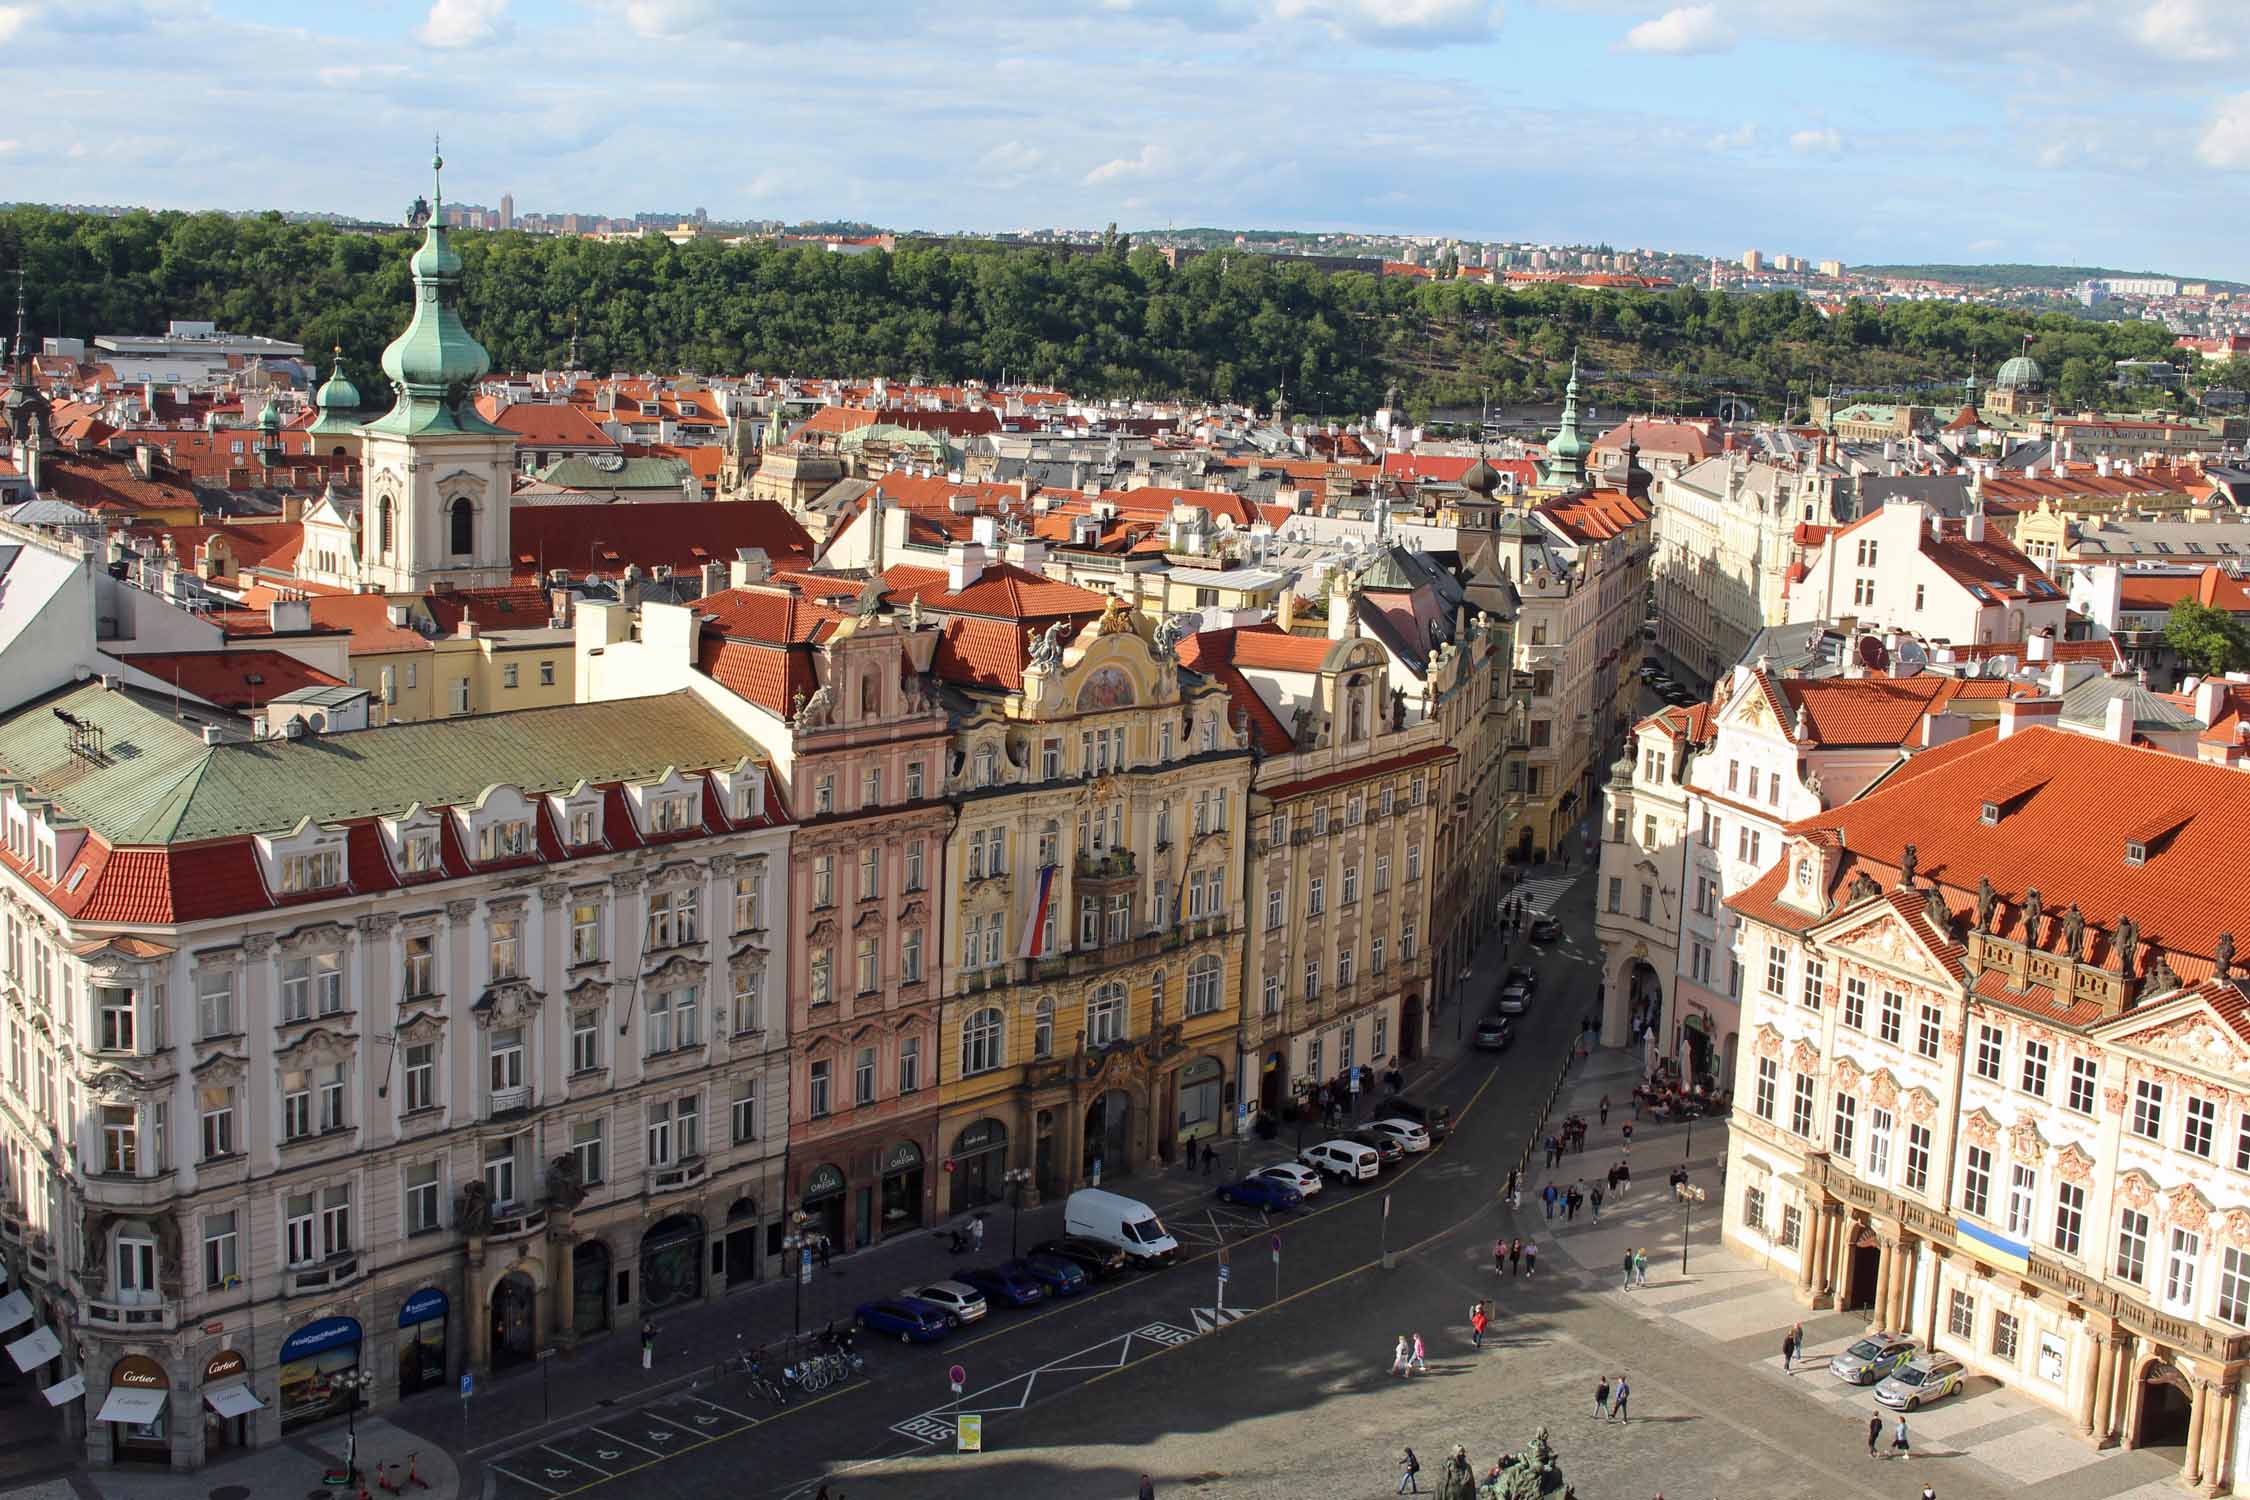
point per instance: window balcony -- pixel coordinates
(1112, 864)
(335, 1271)
(513, 1221)
(672, 1179)
(511, 1101)
(139, 1317)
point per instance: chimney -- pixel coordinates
(2210, 697)
(1942, 728)
(1937, 526)
(1973, 526)
(984, 530)
(2101, 465)
(2028, 713)
(714, 577)
(396, 613)
(1342, 614)
(1285, 609)
(289, 616)
(1028, 553)
(2038, 649)
(467, 629)
(749, 566)
(213, 735)
(562, 605)
(964, 564)
(2116, 727)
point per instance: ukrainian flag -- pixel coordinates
(1992, 1249)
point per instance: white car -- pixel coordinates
(962, 1303)
(1409, 1135)
(1346, 1161)
(1304, 1179)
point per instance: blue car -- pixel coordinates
(1061, 1277)
(1012, 1285)
(1261, 1192)
(912, 1319)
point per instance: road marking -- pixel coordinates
(521, 1479)
(715, 1406)
(628, 1442)
(574, 1460)
(1209, 1318)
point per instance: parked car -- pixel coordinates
(1545, 929)
(962, 1303)
(1920, 1381)
(1346, 1161)
(1872, 1358)
(1679, 697)
(1514, 1000)
(1126, 1223)
(1303, 1178)
(1412, 1138)
(1096, 1259)
(1389, 1150)
(1010, 1288)
(1437, 1119)
(1525, 975)
(1648, 674)
(1261, 1192)
(1495, 1034)
(1061, 1278)
(912, 1319)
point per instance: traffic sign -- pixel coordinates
(1277, 1249)
(957, 1378)
(1222, 1273)
(968, 1431)
(468, 1385)
(804, 1264)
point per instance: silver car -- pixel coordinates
(1872, 1358)
(1920, 1381)
(962, 1303)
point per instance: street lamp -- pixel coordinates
(1690, 1195)
(798, 1246)
(1015, 1177)
(358, 1383)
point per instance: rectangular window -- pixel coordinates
(910, 957)
(1992, 1046)
(115, 1012)
(1890, 1022)
(1792, 1226)
(588, 1150)
(1272, 995)
(2132, 1246)
(816, 1089)
(2070, 1216)
(1878, 1145)
(585, 932)
(1844, 1125)
(1273, 910)
(909, 1064)
(332, 1099)
(1918, 1158)
(585, 1041)
(1976, 1181)
(2004, 1336)
(1616, 894)
(1754, 1209)
(1316, 896)
(2201, 1126)
(2234, 1286)
(2036, 1056)
(216, 1107)
(507, 948)
(1961, 1315)
(913, 781)
(1351, 884)
(742, 1115)
(222, 1258)
(863, 1077)
(296, 1105)
(2183, 1249)
(1929, 1032)
(422, 1198)
(1801, 1105)
(299, 1230)
(2084, 1072)
(1816, 982)
(823, 880)
(1777, 969)
(120, 1138)
(871, 873)
(867, 964)
(661, 1140)
(1413, 862)
(2148, 1109)
(914, 858)
(214, 1003)
(2023, 1192)
(1855, 1002)
(1769, 1087)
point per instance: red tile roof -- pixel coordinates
(1002, 590)
(1211, 652)
(680, 534)
(1596, 515)
(546, 424)
(108, 484)
(1879, 710)
(1269, 647)
(2212, 586)
(226, 677)
(525, 605)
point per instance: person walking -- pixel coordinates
(1547, 1198)
(1605, 1109)
(1640, 1266)
(976, 1233)
(1619, 1394)
(1477, 1320)
(1628, 1268)
(1419, 1360)
(1788, 1350)
(1210, 1157)
(1929, 1492)
(1796, 1344)
(1594, 1196)
(1901, 1446)
(1601, 1398)
(1530, 1259)
(1399, 1358)
(1874, 1432)
(1515, 1256)
(1499, 1255)
(1408, 1467)
(1627, 1128)
(1148, 1488)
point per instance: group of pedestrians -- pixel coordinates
(1635, 1266)
(1570, 1138)
(1516, 1255)
(1566, 1202)
(1612, 1398)
(1410, 1356)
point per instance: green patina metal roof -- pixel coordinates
(336, 402)
(1566, 450)
(587, 472)
(158, 783)
(436, 359)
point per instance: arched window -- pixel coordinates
(383, 527)
(980, 1042)
(1356, 691)
(870, 695)
(1043, 1027)
(461, 527)
(1203, 986)
(1105, 1016)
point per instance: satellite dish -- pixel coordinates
(1873, 654)
(2003, 665)
(1911, 654)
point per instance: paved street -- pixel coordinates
(1283, 1387)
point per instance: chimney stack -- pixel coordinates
(2028, 713)
(964, 564)
(749, 566)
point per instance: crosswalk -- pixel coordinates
(1542, 892)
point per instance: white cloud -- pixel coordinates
(2226, 140)
(1680, 32)
(463, 23)
(1822, 142)
(1741, 138)
(10, 148)
(1010, 159)
(2189, 30)
(12, 19)
(1152, 160)
(1395, 23)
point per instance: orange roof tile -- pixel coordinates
(231, 679)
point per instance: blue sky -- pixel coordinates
(2080, 131)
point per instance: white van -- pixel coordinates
(1129, 1224)
(1346, 1161)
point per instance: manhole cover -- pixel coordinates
(231, 1492)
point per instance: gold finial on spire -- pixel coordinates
(437, 171)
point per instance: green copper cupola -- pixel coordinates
(1565, 464)
(436, 359)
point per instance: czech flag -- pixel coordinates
(1042, 909)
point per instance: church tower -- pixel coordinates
(437, 474)
(1565, 464)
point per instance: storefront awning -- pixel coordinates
(65, 1390)
(233, 1399)
(132, 1404)
(15, 1308)
(35, 1348)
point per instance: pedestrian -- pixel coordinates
(1788, 1350)
(1477, 1322)
(1594, 1196)
(1499, 1255)
(1640, 1266)
(976, 1232)
(1601, 1399)
(1628, 1268)
(1515, 1256)
(1628, 1129)
(1619, 1394)
(823, 1249)
(1408, 1467)
(1420, 1360)
(648, 1344)
(1399, 1357)
(1530, 1260)
(1796, 1345)
(1547, 1197)
(1210, 1157)
(1900, 1446)
(1515, 1184)
(1148, 1488)
(1605, 1109)
(1929, 1492)
(1624, 1177)
(822, 1492)
(1874, 1432)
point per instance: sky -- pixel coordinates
(2111, 132)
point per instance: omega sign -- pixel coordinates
(903, 1157)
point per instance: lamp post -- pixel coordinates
(1690, 1195)
(1015, 1177)
(359, 1383)
(798, 1246)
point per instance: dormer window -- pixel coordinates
(507, 840)
(671, 814)
(418, 853)
(2136, 852)
(317, 870)
(581, 827)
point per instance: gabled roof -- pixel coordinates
(1844, 711)
(518, 608)
(546, 424)
(235, 680)
(679, 534)
(1212, 654)
(1002, 590)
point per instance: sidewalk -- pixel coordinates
(1744, 1308)
(281, 1472)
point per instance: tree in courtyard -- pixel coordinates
(2209, 640)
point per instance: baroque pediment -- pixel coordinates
(1885, 937)
(2196, 1038)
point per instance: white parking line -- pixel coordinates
(730, 1411)
(575, 1459)
(535, 1484)
(628, 1442)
